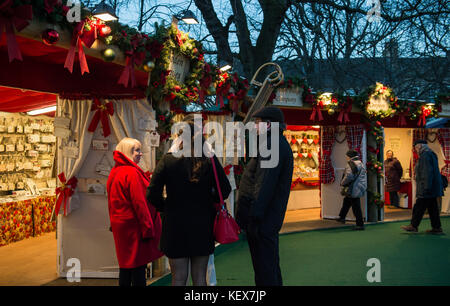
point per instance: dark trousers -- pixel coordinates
(132, 277)
(355, 204)
(419, 210)
(265, 258)
(393, 196)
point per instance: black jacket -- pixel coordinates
(188, 210)
(264, 192)
(427, 174)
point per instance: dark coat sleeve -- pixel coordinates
(155, 189)
(224, 184)
(399, 168)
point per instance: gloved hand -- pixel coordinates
(253, 227)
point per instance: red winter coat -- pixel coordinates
(132, 218)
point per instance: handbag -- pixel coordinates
(225, 229)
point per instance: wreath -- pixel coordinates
(164, 86)
(378, 91)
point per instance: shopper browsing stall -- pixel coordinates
(354, 183)
(188, 210)
(135, 225)
(429, 188)
(393, 173)
(263, 199)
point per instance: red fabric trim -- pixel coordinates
(42, 69)
(301, 128)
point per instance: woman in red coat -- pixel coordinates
(136, 226)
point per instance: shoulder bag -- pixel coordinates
(226, 229)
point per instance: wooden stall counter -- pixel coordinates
(26, 218)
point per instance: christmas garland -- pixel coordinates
(164, 120)
(300, 180)
(374, 198)
(375, 166)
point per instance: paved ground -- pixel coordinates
(16, 267)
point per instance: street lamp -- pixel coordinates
(224, 66)
(187, 16)
(104, 12)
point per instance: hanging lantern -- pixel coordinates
(50, 37)
(149, 66)
(108, 55)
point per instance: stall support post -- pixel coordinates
(372, 184)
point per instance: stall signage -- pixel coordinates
(289, 97)
(179, 66)
(445, 110)
(377, 104)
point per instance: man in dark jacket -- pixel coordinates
(393, 172)
(428, 188)
(262, 202)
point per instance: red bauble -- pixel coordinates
(105, 31)
(50, 37)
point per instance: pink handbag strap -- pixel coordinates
(217, 181)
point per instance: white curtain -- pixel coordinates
(79, 111)
(124, 123)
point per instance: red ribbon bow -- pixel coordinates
(64, 192)
(102, 112)
(401, 119)
(343, 115)
(316, 110)
(78, 34)
(14, 17)
(222, 91)
(133, 58)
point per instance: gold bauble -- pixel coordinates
(149, 66)
(331, 111)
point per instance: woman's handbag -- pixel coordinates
(226, 229)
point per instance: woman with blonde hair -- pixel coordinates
(136, 226)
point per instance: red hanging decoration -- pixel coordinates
(76, 36)
(50, 37)
(402, 119)
(64, 192)
(102, 112)
(346, 109)
(317, 110)
(14, 18)
(133, 58)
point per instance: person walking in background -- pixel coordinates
(135, 225)
(429, 187)
(188, 209)
(262, 202)
(354, 183)
(393, 173)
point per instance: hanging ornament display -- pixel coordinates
(149, 66)
(50, 37)
(108, 55)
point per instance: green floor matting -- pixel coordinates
(339, 257)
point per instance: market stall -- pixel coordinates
(336, 114)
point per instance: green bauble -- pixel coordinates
(108, 55)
